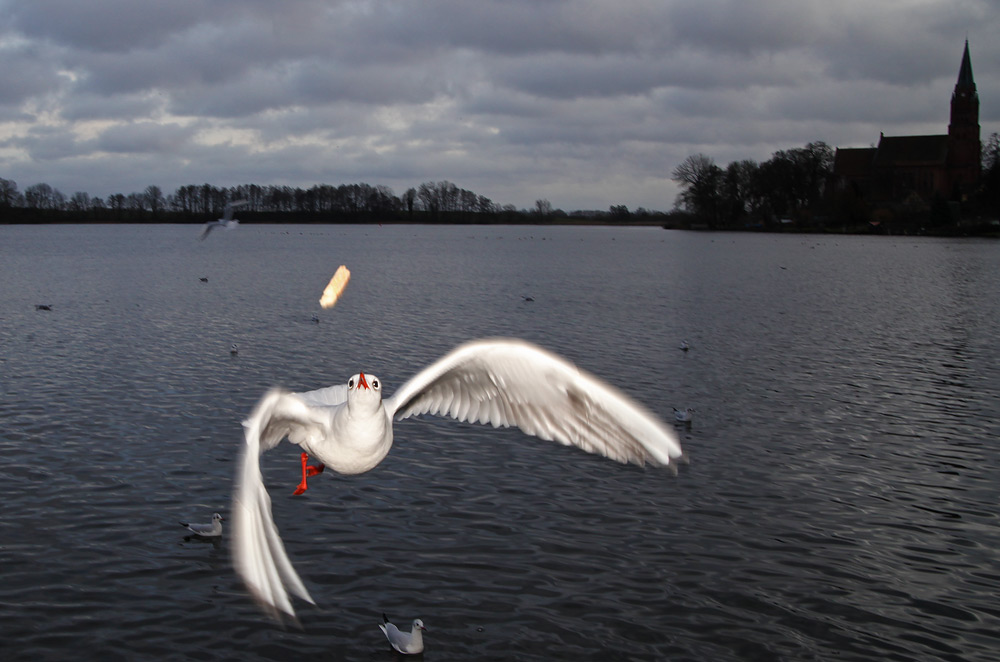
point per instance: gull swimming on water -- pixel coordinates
(227, 221)
(212, 530)
(349, 427)
(683, 415)
(408, 643)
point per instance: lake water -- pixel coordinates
(841, 500)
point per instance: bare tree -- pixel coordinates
(9, 195)
(427, 193)
(43, 196)
(135, 202)
(154, 199)
(700, 180)
(79, 201)
(408, 199)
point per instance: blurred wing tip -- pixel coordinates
(277, 614)
(673, 466)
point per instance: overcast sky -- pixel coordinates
(584, 103)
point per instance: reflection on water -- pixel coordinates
(840, 501)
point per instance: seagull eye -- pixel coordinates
(374, 383)
(350, 383)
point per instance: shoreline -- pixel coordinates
(983, 230)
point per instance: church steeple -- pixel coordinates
(963, 130)
(965, 71)
(965, 99)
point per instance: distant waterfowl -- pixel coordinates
(227, 221)
(42, 306)
(211, 530)
(349, 427)
(203, 279)
(683, 415)
(684, 346)
(234, 349)
(407, 643)
(315, 319)
(528, 298)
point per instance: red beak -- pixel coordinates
(362, 383)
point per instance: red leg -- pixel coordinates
(306, 472)
(302, 485)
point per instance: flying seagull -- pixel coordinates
(349, 427)
(227, 221)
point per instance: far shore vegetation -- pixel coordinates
(791, 192)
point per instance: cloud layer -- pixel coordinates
(587, 103)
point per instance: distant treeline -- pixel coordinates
(431, 202)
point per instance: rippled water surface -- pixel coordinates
(841, 501)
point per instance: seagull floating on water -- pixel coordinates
(234, 349)
(212, 530)
(349, 427)
(684, 415)
(227, 221)
(684, 346)
(408, 643)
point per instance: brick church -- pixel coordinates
(944, 167)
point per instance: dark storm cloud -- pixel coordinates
(585, 103)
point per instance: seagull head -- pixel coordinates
(216, 517)
(362, 388)
(418, 625)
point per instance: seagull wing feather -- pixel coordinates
(205, 231)
(258, 552)
(227, 211)
(509, 382)
(399, 640)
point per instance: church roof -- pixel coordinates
(911, 151)
(853, 162)
(965, 70)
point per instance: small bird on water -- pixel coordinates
(407, 643)
(212, 530)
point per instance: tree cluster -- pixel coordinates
(790, 185)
